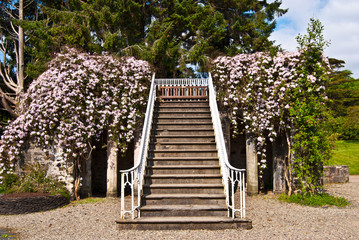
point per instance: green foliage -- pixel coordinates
(346, 153)
(316, 200)
(347, 127)
(343, 92)
(9, 181)
(169, 34)
(312, 140)
(343, 89)
(34, 180)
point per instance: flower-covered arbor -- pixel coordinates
(71, 104)
(280, 95)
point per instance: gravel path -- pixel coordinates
(271, 220)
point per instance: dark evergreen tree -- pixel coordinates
(343, 92)
(169, 34)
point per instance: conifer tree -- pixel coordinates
(169, 34)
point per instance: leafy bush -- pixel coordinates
(345, 127)
(35, 180)
(8, 183)
(315, 200)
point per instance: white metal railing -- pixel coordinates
(232, 178)
(134, 177)
(182, 81)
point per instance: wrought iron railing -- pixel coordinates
(233, 178)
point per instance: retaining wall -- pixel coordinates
(336, 174)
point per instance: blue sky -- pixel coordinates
(340, 19)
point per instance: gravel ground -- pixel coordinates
(271, 220)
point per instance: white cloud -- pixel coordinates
(341, 27)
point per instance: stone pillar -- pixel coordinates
(111, 168)
(226, 129)
(252, 166)
(86, 174)
(280, 152)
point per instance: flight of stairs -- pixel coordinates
(183, 183)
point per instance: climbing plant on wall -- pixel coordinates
(73, 102)
(281, 93)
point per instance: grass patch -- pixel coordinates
(317, 200)
(88, 200)
(346, 153)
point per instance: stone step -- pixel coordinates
(183, 153)
(182, 145)
(186, 120)
(183, 138)
(208, 188)
(181, 125)
(177, 109)
(183, 198)
(189, 118)
(183, 161)
(188, 114)
(183, 178)
(183, 210)
(183, 169)
(183, 103)
(184, 223)
(183, 131)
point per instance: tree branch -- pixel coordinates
(12, 26)
(4, 100)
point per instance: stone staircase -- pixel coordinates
(183, 183)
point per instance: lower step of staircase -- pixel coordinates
(184, 223)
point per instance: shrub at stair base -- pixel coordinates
(71, 104)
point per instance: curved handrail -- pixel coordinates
(235, 175)
(149, 111)
(220, 131)
(136, 173)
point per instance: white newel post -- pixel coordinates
(252, 166)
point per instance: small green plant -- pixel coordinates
(8, 183)
(34, 180)
(322, 199)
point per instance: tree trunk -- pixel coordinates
(20, 70)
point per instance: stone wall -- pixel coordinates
(336, 174)
(56, 167)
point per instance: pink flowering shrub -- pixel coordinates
(260, 90)
(74, 101)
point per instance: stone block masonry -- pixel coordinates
(336, 174)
